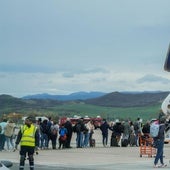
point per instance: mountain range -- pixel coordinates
(114, 99)
(73, 96)
(50, 102)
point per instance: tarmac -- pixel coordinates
(96, 158)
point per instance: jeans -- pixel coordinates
(159, 154)
(2, 142)
(79, 139)
(105, 139)
(10, 143)
(44, 141)
(86, 139)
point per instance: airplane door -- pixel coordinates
(167, 61)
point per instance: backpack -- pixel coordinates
(62, 132)
(154, 129)
(54, 130)
(136, 126)
(78, 127)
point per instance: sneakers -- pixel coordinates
(156, 166)
(163, 165)
(160, 166)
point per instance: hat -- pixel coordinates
(30, 118)
(117, 120)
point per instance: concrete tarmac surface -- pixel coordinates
(97, 158)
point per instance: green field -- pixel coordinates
(81, 109)
(110, 113)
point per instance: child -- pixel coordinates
(63, 137)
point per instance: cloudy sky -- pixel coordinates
(66, 46)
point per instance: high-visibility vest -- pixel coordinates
(28, 135)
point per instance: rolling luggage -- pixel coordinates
(124, 142)
(113, 141)
(92, 143)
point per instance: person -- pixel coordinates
(28, 137)
(86, 135)
(49, 124)
(90, 124)
(138, 130)
(132, 138)
(104, 129)
(44, 134)
(38, 124)
(126, 133)
(54, 134)
(2, 135)
(146, 130)
(9, 134)
(159, 140)
(63, 137)
(117, 130)
(79, 129)
(69, 128)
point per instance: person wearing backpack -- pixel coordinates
(63, 137)
(104, 129)
(79, 128)
(160, 144)
(138, 130)
(68, 126)
(54, 134)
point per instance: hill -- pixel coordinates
(117, 99)
(111, 105)
(12, 104)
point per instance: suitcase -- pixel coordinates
(124, 142)
(113, 141)
(92, 143)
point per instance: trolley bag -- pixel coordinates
(124, 142)
(92, 143)
(113, 141)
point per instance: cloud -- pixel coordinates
(62, 47)
(153, 79)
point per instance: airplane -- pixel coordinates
(166, 103)
(167, 61)
(165, 107)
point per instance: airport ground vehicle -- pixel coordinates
(146, 146)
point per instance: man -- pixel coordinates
(104, 129)
(69, 128)
(138, 130)
(28, 137)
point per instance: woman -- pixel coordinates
(9, 134)
(159, 140)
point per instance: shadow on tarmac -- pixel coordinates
(45, 167)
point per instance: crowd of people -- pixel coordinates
(34, 135)
(50, 130)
